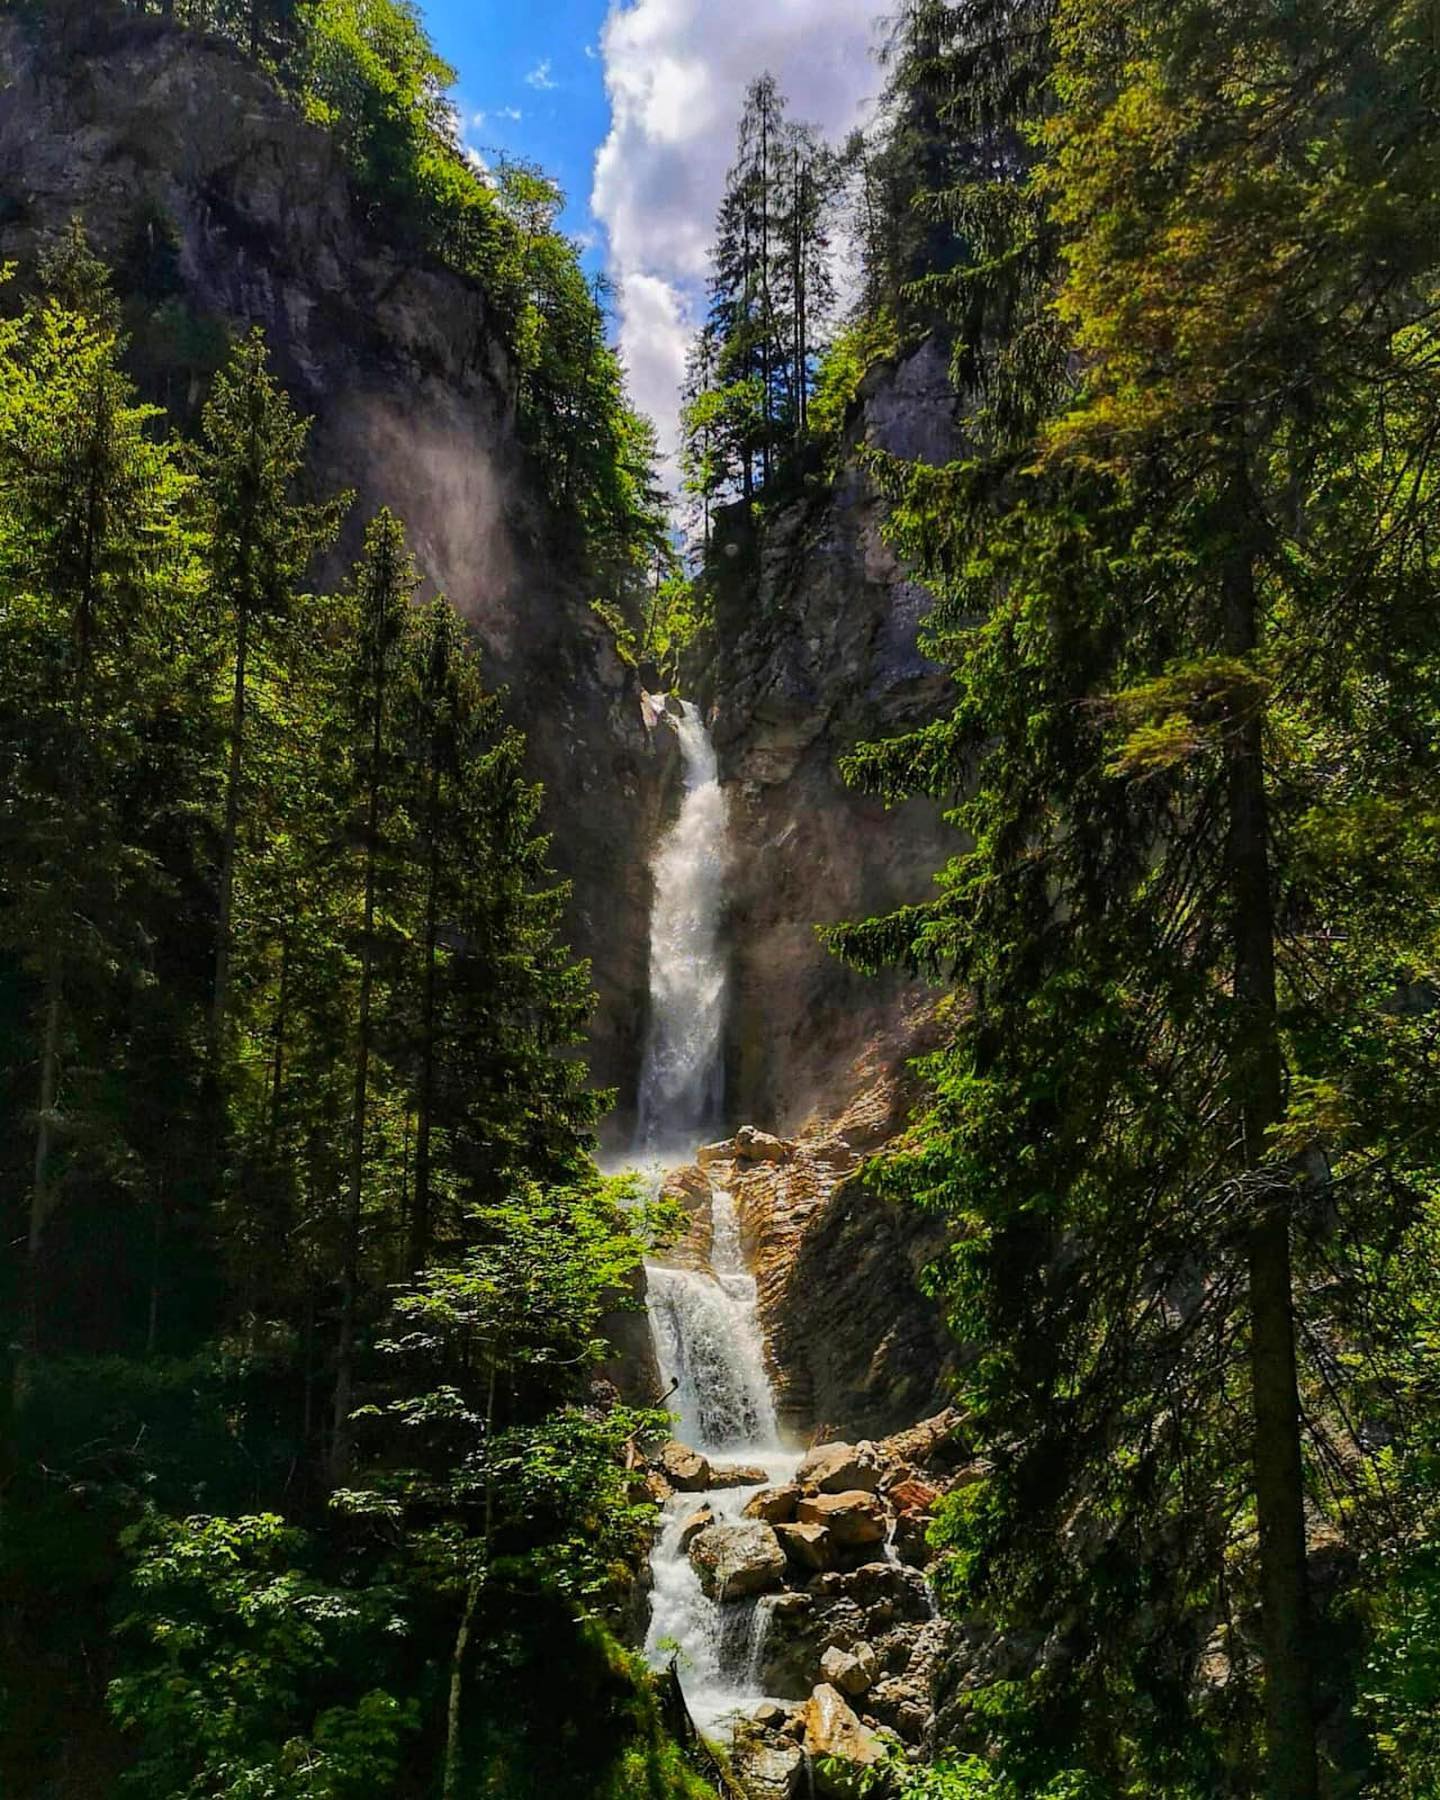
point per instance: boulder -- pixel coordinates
(687, 1471)
(854, 1518)
(733, 1475)
(833, 1731)
(839, 1469)
(713, 1153)
(694, 1525)
(852, 1671)
(776, 1506)
(759, 1146)
(884, 1593)
(806, 1547)
(795, 1639)
(768, 1764)
(734, 1561)
(935, 1444)
(913, 1496)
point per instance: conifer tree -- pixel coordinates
(93, 555)
(384, 582)
(259, 541)
(1155, 616)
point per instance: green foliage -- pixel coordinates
(367, 72)
(245, 1648)
(296, 1140)
(847, 359)
(1182, 586)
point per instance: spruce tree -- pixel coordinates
(259, 539)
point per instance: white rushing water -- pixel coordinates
(681, 1081)
(704, 1322)
(708, 1344)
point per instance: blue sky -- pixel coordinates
(532, 85)
(631, 105)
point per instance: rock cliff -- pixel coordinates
(168, 143)
(816, 627)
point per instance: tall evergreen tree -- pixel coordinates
(259, 541)
(1159, 602)
(385, 580)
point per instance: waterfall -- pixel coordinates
(704, 1322)
(681, 1081)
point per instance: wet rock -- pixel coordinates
(733, 1475)
(854, 1518)
(776, 1506)
(694, 1525)
(734, 1561)
(807, 1547)
(833, 1731)
(852, 1671)
(840, 1469)
(910, 1539)
(904, 1699)
(687, 1471)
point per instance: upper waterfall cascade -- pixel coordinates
(681, 1082)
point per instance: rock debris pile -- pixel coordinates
(850, 1647)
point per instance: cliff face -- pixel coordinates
(152, 132)
(817, 628)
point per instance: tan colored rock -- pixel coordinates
(687, 1471)
(694, 1525)
(735, 1561)
(854, 1672)
(713, 1153)
(759, 1146)
(913, 1496)
(854, 1518)
(933, 1441)
(832, 1730)
(839, 1469)
(806, 1547)
(768, 1763)
(733, 1475)
(776, 1506)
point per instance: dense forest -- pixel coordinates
(315, 1479)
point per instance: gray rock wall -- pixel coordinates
(817, 626)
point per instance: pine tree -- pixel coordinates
(1161, 598)
(93, 556)
(384, 583)
(259, 541)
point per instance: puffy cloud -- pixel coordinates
(676, 73)
(540, 76)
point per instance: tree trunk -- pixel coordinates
(220, 996)
(341, 1437)
(42, 1201)
(277, 1058)
(1291, 1761)
(420, 1224)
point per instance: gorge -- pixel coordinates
(775, 1139)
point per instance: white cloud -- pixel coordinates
(540, 76)
(676, 73)
(512, 113)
